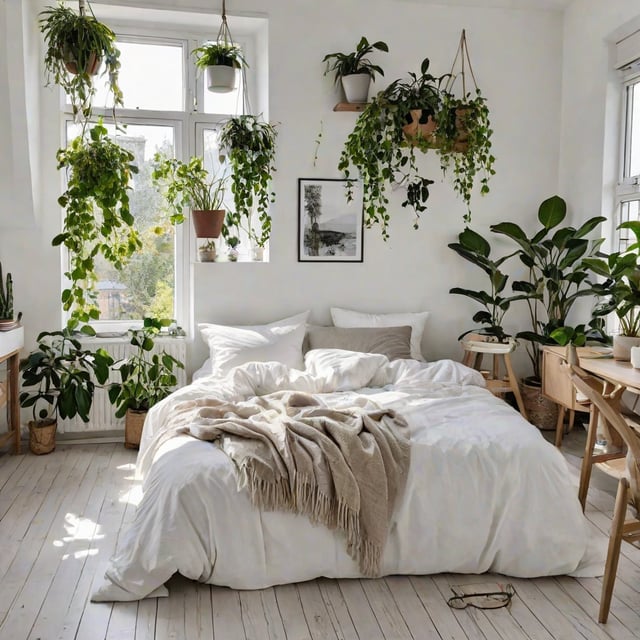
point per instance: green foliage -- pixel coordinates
(97, 218)
(378, 149)
(6, 297)
(474, 248)
(145, 378)
(344, 64)
(557, 259)
(73, 39)
(471, 118)
(219, 53)
(187, 185)
(62, 375)
(621, 271)
(251, 148)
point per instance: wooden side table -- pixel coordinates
(10, 344)
(474, 352)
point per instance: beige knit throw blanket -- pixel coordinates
(342, 468)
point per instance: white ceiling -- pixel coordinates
(557, 5)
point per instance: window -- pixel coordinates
(166, 108)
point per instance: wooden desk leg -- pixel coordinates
(13, 366)
(560, 425)
(468, 359)
(513, 382)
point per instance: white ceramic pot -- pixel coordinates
(356, 87)
(622, 346)
(257, 254)
(221, 78)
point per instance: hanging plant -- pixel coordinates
(464, 133)
(379, 149)
(97, 220)
(76, 46)
(251, 147)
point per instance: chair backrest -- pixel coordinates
(581, 380)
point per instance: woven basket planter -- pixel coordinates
(42, 438)
(420, 128)
(542, 412)
(133, 424)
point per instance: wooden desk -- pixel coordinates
(10, 344)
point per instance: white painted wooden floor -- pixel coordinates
(61, 514)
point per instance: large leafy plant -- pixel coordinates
(219, 53)
(97, 220)
(378, 149)
(76, 44)
(58, 377)
(145, 377)
(344, 64)
(250, 145)
(556, 258)
(474, 248)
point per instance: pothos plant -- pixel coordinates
(76, 45)
(378, 149)
(97, 219)
(250, 145)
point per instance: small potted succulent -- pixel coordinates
(189, 184)
(77, 45)
(58, 380)
(220, 60)
(355, 70)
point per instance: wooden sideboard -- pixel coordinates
(11, 342)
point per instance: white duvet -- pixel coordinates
(485, 491)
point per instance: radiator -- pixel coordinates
(102, 414)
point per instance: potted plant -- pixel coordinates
(6, 301)
(250, 145)
(207, 251)
(189, 184)
(145, 379)
(621, 287)
(61, 374)
(355, 70)
(474, 248)
(97, 219)
(558, 275)
(76, 46)
(220, 60)
(377, 147)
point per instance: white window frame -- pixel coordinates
(188, 125)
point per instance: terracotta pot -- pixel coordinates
(221, 78)
(42, 437)
(542, 412)
(208, 224)
(622, 346)
(420, 126)
(133, 424)
(92, 66)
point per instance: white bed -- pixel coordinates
(485, 491)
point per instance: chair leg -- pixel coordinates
(560, 425)
(587, 459)
(613, 552)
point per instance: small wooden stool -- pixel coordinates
(475, 350)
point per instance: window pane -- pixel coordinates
(633, 122)
(146, 286)
(628, 211)
(151, 77)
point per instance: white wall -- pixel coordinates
(517, 58)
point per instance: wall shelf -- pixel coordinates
(350, 106)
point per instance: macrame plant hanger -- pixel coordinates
(463, 54)
(224, 37)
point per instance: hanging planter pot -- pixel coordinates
(91, 65)
(420, 127)
(208, 224)
(356, 87)
(221, 78)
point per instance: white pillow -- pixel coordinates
(343, 370)
(417, 321)
(279, 341)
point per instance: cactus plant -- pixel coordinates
(6, 297)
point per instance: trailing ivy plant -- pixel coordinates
(76, 45)
(250, 145)
(464, 144)
(378, 148)
(97, 220)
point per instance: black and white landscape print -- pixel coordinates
(329, 227)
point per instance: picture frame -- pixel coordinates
(330, 228)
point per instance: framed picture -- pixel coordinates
(329, 227)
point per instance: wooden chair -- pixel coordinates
(627, 470)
